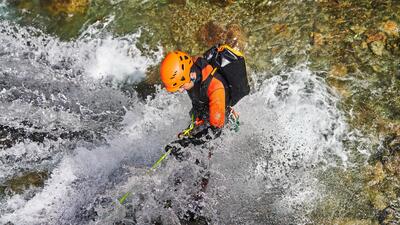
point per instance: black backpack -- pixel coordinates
(231, 65)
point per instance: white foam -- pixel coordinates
(112, 59)
(96, 52)
(80, 176)
(291, 129)
(290, 126)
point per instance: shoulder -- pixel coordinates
(200, 61)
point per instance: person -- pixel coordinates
(209, 92)
(215, 82)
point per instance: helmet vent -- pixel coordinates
(183, 78)
(173, 75)
(181, 58)
(174, 84)
(186, 57)
(183, 67)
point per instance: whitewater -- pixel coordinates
(100, 139)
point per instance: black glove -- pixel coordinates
(175, 151)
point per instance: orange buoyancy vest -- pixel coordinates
(209, 95)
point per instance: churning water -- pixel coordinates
(97, 140)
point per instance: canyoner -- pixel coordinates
(215, 83)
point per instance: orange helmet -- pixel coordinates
(175, 70)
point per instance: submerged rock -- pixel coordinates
(179, 2)
(357, 29)
(21, 183)
(317, 39)
(338, 70)
(349, 221)
(235, 37)
(376, 37)
(390, 28)
(66, 6)
(390, 215)
(212, 33)
(377, 47)
(279, 28)
(223, 2)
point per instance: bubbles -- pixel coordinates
(50, 88)
(265, 173)
(292, 130)
(112, 60)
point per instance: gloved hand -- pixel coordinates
(192, 129)
(186, 132)
(233, 120)
(175, 151)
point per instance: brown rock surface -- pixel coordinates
(211, 33)
(66, 6)
(390, 28)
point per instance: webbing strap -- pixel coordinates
(213, 71)
(234, 51)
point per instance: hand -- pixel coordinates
(175, 151)
(187, 132)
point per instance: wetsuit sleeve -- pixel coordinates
(216, 95)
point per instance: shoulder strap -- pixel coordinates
(213, 71)
(234, 51)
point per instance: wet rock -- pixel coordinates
(364, 45)
(340, 86)
(179, 2)
(317, 39)
(395, 144)
(379, 200)
(376, 37)
(390, 215)
(65, 6)
(354, 222)
(211, 33)
(390, 28)
(377, 174)
(357, 29)
(392, 166)
(235, 37)
(9, 136)
(338, 70)
(279, 28)
(377, 47)
(25, 181)
(223, 2)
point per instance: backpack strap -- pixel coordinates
(213, 71)
(234, 51)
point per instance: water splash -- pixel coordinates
(51, 89)
(291, 128)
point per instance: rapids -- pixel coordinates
(66, 103)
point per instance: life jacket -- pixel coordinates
(230, 63)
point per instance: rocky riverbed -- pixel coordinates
(353, 45)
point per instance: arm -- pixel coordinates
(203, 133)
